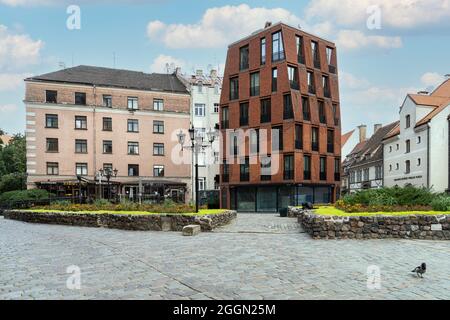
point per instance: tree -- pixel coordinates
(13, 164)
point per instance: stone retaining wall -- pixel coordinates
(154, 222)
(428, 227)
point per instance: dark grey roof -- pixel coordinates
(100, 76)
(372, 150)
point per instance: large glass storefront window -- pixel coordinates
(304, 194)
(266, 199)
(286, 197)
(322, 195)
(246, 199)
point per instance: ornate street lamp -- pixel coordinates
(196, 146)
(107, 173)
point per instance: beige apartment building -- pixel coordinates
(83, 119)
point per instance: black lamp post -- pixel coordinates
(107, 173)
(197, 145)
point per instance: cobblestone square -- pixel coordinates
(256, 257)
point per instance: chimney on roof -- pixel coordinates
(362, 132)
(199, 73)
(213, 73)
(377, 127)
(268, 24)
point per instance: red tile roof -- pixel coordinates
(345, 137)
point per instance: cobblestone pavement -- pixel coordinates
(257, 257)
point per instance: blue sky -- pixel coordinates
(409, 52)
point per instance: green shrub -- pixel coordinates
(101, 203)
(23, 195)
(441, 203)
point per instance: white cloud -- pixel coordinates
(354, 39)
(162, 61)
(403, 14)
(7, 108)
(17, 50)
(35, 3)
(12, 81)
(432, 79)
(350, 81)
(218, 26)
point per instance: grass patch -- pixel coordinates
(202, 212)
(332, 211)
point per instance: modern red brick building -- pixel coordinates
(281, 89)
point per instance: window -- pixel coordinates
(158, 171)
(315, 54)
(225, 122)
(234, 88)
(263, 51)
(390, 167)
(314, 139)
(107, 124)
(300, 54)
(158, 126)
(307, 167)
(216, 107)
(408, 146)
(322, 114)
(234, 145)
(81, 169)
(266, 168)
(298, 136)
(397, 146)
(81, 122)
(390, 148)
(277, 136)
(293, 77)
(335, 114)
(274, 80)
(107, 101)
(419, 140)
(408, 121)
(265, 110)
(306, 109)
(352, 177)
(133, 170)
(51, 121)
(288, 112)
(199, 110)
(133, 103)
(80, 98)
(245, 170)
(277, 46)
(323, 168)
(359, 176)
(158, 149)
(52, 168)
(200, 87)
(158, 104)
(243, 114)
(396, 166)
(201, 184)
(326, 87)
(243, 58)
(216, 90)
(408, 166)
(254, 84)
(80, 146)
(108, 167)
(330, 141)
(51, 96)
(311, 85)
(331, 67)
(133, 148)
(254, 141)
(52, 145)
(107, 146)
(378, 172)
(225, 171)
(133, 125)
(288, 172)
(419, 162)
(337, 169)
(366, 174)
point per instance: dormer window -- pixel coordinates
(408, 121)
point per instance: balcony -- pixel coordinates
(298, 144)
(225, 124)
(278, 56)
(323, 176)
(245, 177)
(288, 175)
(306, 175)
(265, 117)
(243, 121)
(317, 63)
(332, 69)
(337, 176)
(311, 89)
(288, 114)
(315, 146)
(330, 147)
(225, 177)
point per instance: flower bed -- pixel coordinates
(126, 220)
